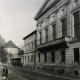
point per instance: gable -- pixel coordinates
(10, 44)
(47, 5)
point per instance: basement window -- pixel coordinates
(76, 73)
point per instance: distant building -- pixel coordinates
(13, 51)
(30, 50)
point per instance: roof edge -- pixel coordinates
(30, 34)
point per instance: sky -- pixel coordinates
(17, 19)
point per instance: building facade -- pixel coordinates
(58, 37)
(30, 49)
(12, 57)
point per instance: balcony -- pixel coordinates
(54, 43)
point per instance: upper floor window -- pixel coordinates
(28, 46)
(34, 58)
(64, 27)
(31, 58)
(75, 3)
(39, 57)
(54, 31)
(25, 58)
(32, 45)
(76, 55)
(46, 35)
(76, 25)
(40, 37)
(28, 58)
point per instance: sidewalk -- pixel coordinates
(49, 74)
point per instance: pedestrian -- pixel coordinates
(4, 72)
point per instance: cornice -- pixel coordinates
(47, 9)
(53, 10)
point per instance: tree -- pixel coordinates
(3, 55)
(2, 41)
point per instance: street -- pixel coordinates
(16, 73)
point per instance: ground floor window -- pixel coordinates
(53, 56)
(62, 55)
(45, 57)
(76, 73)
(76, 54)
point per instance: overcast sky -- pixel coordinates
(17, 18)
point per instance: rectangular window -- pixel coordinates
(76, 55)
(32, 45)
(53, 56)
(28, 46)
(31, 58)
(40, 37)
(34, 58)
(76, 25)
(62, 55)
(45, 57)
(28, 58)
(39, 57)
(64, 27)
(54, 31)
(46, 35)
(25, 58)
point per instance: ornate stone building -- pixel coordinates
(58, 37)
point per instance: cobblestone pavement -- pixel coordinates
(16, 73)
(1, 72)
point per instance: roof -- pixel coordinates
(47, 5)
(30, 34)
(10, 44)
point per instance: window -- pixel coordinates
(25, 58)
(28, 46)
(76, 73)
(76, 25)
(40, 37)
(62, 55)
(64, 28)
(32, 45)
(31, 58)
(28, 58)
(34, 58)
(45, 57)
(54, 31)
(39, 57)
(53, 56)
(46, 35)
(76, 55)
